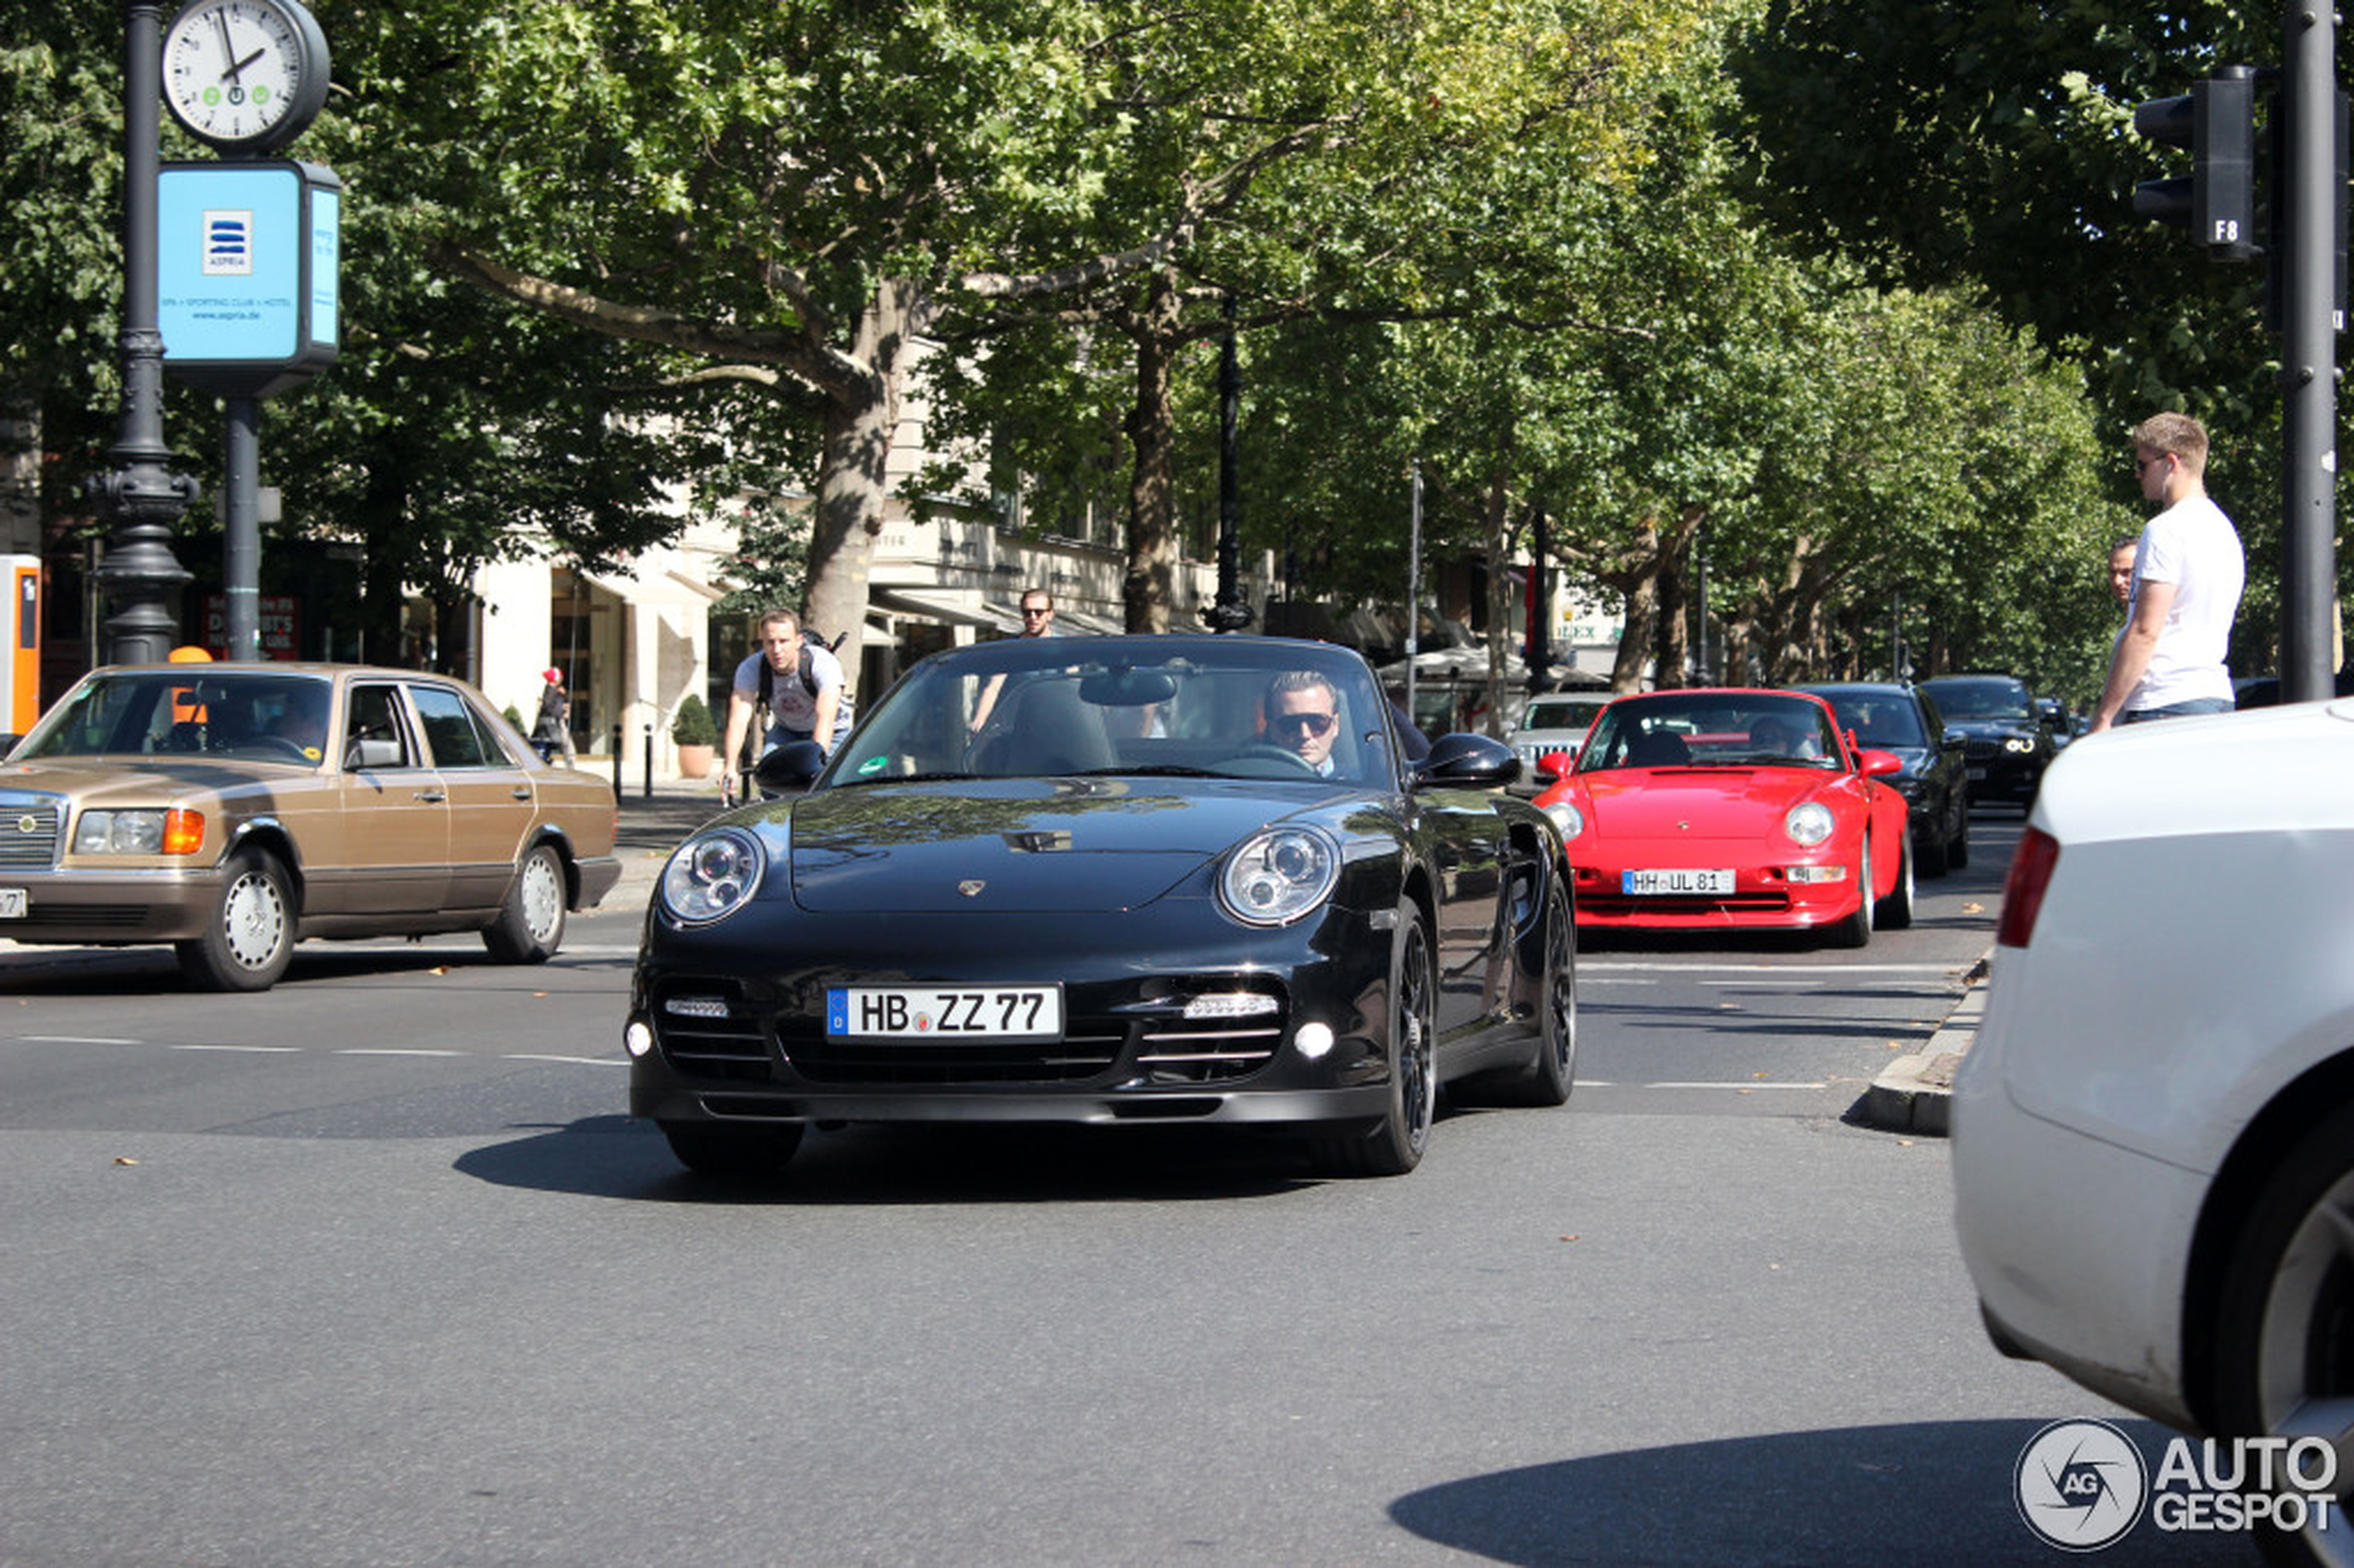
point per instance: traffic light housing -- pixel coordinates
(2216, 120)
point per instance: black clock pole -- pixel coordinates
(140, 497)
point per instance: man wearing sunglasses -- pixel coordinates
(1037, 620)
(1303, 717)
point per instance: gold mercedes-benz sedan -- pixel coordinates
(232, 810)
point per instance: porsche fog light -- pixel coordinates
(1567, 819)
(1279, 876)
(1809, 824)
(1313, 1040)
(711, 876)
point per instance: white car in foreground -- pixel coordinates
(2153, 1135)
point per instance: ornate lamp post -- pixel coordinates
(140, 497)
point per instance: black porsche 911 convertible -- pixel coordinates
(1111, 880)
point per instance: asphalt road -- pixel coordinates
(371, 1270)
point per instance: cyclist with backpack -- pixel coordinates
(795, 685)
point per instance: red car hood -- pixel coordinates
(1697, 803)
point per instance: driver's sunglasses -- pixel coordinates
(1291, 725)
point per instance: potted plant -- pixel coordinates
(696, 736)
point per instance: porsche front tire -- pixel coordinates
(1394, 1145)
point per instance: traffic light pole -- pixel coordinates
(2309, 353)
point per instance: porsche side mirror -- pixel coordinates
(790, 770)
(1554, 767)
(1879, 765)
(1467, 762)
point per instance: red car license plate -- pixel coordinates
(1669, 883)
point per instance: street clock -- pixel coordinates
(245, 76)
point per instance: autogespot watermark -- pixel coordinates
(2084, 1485)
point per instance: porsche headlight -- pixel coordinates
(711, 876)
(176, 831)
(1567, 819)
(1809, 825)
(1279, 876)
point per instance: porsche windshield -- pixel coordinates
(1710, 730)
(1035, 707)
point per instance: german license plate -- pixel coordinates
(1977, 772)
(1670, 883)
(11, 904)
(959, 1012)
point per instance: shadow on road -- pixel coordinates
(1932, 1492)
(615, 1157)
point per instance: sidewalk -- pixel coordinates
(651, 826)
(1915, 1094)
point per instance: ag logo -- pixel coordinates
(2081, 1484)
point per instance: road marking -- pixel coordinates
(1631, 965)
(74, 1040)
(393, 1051)
(1604, 1083)
(259, 1050)
(579, 1061)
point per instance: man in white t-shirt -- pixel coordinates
(795, 713)
(2188, 570)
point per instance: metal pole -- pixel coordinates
(1229, 613)
(1540, 605)
(1414, 589)
(140, 497)
(2309, 352)
(241, 528)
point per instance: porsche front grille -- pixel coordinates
(715, 1029)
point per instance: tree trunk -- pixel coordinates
(862, 419)
(1148, 588)
(19, 473)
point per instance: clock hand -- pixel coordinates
(237, 69)
(228, 46)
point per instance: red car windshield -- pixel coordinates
(1710, 730)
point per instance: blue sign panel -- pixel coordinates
(246, 274)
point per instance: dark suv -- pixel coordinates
(1898, 718)
(2005, 739)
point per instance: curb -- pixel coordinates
(1916, 1092)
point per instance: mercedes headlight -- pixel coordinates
(173, 832)
(711, 876)
(1279, 876)
(1809, 825)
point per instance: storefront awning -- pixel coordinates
(1066, 620)
(985, 617)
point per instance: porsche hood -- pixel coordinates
(1694, 804)
(1016, 847)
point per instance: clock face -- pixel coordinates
(244, 74)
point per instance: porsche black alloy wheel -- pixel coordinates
(1552, 1071)
(1396, 1145)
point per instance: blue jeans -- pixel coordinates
(2190, 709)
